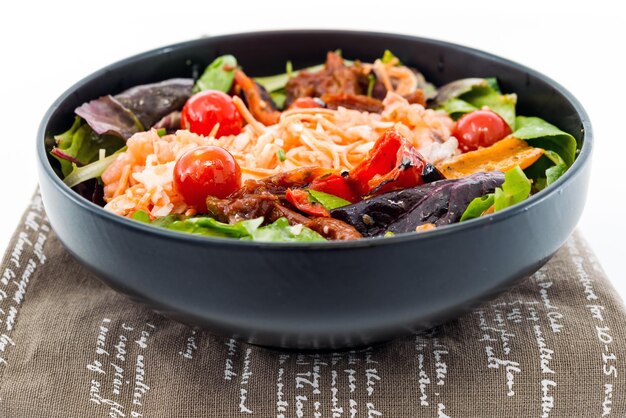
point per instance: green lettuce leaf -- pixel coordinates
(493, 83)
(371, 82)
(515, 189)
(546, 170)
(219, 75)
(327, 200)
(164, 221)
(277, 82)
(478, 206)
(80, 145)
(141, 216)
(502, 104)
(90, 171)
(469, 94)
(279, 97)
(557, 170)
(388, 57)
(281, 231)
(539, 133)
(210, 227)
(456, 107)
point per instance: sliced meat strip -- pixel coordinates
(333, 229)
(334, 78)
(353, 101)
(279, 183)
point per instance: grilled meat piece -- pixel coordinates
(279, 183)
(248, 206)
(333, 229)
(353, 101)
(266, 198)
(270, 207)
(334, 78)
(416, 97)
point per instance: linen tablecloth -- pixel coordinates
(554, 346)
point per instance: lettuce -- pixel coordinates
(515, 189)
(327, 200)
(90, 171)
(557, 170)
(135, 109)
(441, 203)
(274, 83)
(502, 104)
(279, 231)
(219, 75)
(279, 97)
(456, 107)
(470, 94)
(388, 57)
(80, 146)
(106, 115)
(539, 133)
(560, 150)
(478, 206)
(210, 227)
(141, 216)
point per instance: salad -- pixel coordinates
(338, 151)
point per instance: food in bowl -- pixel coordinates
(339, 151)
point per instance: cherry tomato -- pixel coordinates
(207, 108)
(481, 128)
(206, 171)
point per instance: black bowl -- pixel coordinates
(323, 295)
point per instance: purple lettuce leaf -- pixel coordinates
(441, 203)
(107, 115)
(151, 102)
(169, 122)
(137, 108)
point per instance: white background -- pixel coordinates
(47, 47)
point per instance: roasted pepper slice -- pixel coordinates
(300, 199)
(393, 163)
(337, 185)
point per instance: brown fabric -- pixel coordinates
(70, 347)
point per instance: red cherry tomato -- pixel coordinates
(481, 128)
(206, 171)
(207, 108)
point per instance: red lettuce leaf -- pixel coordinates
(137, 108)
(440, 203)
(106, 115)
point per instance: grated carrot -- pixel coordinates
(121, 185)
(333, 139)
